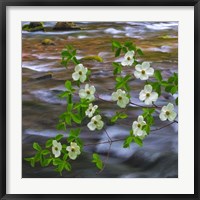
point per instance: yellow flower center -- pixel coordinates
(119, 98)
(72, 149)
(56, 148)
(147, 95)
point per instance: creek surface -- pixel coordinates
(43, 78)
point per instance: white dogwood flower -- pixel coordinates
(128, 59)
(95, 123)
(56, 148)
(80, 73)
(87, 92)
(147, 95)
(121, 97)
(137, 127)
(91, 110)
(143, 71)
(167, 112)
(74, 150)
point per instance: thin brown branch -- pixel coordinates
(107, 157)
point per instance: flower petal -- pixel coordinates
(92, 89)
(137, 74)
(134, 125)
(145, 65)
(59, 146)
(75, 76)
(57, 154)
(114, 96)
(138, 67)
(140, 118)
(91, 126)
(82, 93)
(54, 143)
(172, 116)
(154, 96)
(148, 101)
(150, 71)
(170, 107)
(130, 62)
(144, 77)
(142, 95)
(124, 63)
(148, 88)
(100, 125)
(83, 78)
(78, 67)
(162, 116)
(69, 148)
(129, 54)
(72, 155)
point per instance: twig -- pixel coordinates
(107, 157)
(121, 139)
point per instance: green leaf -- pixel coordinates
(174, 89)
(176, 101)
(61, 126)
(74, 59)
(46, 162)
(76, 118)
(140, 52)
(118, 52)
(158, 75)
(68, 85)
(65, 157)
(45, 152)
(58, 137)
(32, 162)
(116, 44)
(68, 119)
(63, 94)
(67, 166)
(168, 88)
(138, 141)
(48, 143)
(57, 161)
(171, 79)
(36, 146)
(128, 141)
(97, 160)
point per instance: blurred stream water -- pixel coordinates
(158, 158)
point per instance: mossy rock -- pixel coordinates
(65, 26)
(48, 42)
(165, 37)
(33, 26)
(96, 58)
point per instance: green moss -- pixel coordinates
(96, 58)
(165, 37)
(47, 42)
(33, 27)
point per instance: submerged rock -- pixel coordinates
(48, 42)
(65, 26)
(96, 58)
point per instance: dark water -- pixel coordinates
(41, 107)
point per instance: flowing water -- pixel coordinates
(43, 79)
